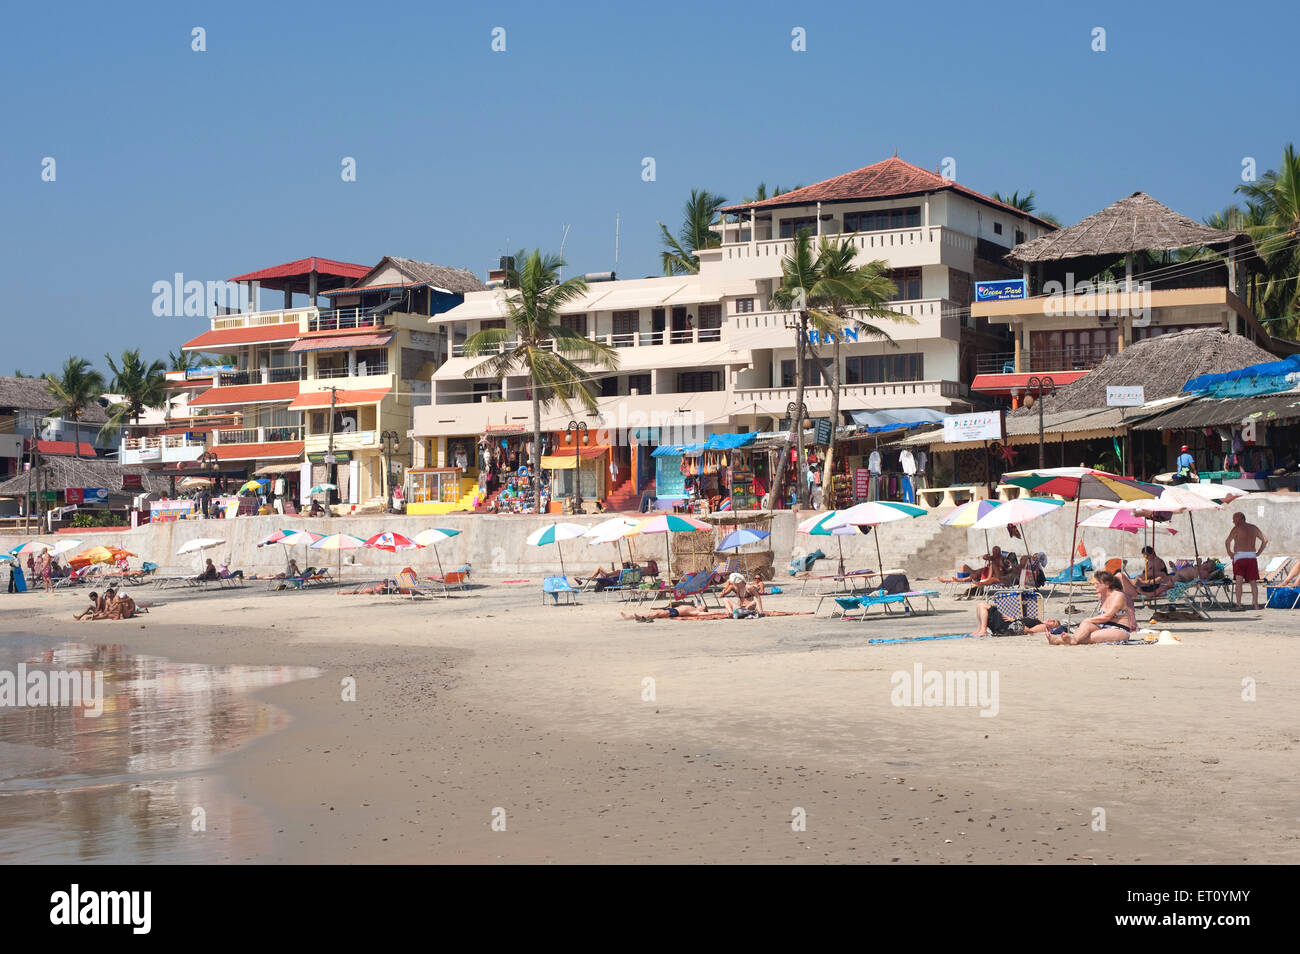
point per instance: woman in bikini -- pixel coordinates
(1113, 624)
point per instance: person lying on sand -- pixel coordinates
(96, 606)
(993, 623)
(672, 612)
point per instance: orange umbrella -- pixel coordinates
(98, 555)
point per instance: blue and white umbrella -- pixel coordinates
(555, 533)
(738, 538)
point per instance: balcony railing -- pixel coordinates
(257, 435)
(362, 370)
(874, 244)
(262, 376)
(884, 389)
(632, 339)
(1066, 359)
(345, 319)
(1002, 362)
(257, 319)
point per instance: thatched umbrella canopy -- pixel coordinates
(1162, 365)
(1135, 224)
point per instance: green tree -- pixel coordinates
(761, 193)
(1025, 203)
(1273, 224)
(74, 390)
(181, 360)
(141, 386)
(701, 211)
(535, 343)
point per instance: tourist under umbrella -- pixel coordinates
(1016, 513)
(872, 514)
(556, 533)
(434, 536)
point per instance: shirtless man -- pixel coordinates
(96, 606)
(121, 608)
(675, 611)
(1244, 545)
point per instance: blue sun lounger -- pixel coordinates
(555, 586)
(888, 602)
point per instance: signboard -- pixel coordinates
(132, 481)
(861, 483)
(822, 431)
(340, 457)
(1010, 289)
(149, 453)
(504, 429)
(170, 509)
(77, 495)
(1126, 396)
(73, 495)
(981, 426)
(208, 371)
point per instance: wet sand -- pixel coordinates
(494, 702)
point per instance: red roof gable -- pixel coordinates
(304, 266)
(247, 394)
(65, 448)
(253, 334)
(881, 180)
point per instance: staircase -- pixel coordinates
(920, 547)
(625, 498)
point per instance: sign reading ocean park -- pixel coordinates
(1009, 289)
(1126, 396)
(981, 426)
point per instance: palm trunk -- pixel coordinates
(801, 465)
(537, 450)
(76, 437)
(829, 464)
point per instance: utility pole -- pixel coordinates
(391, 441)
(329, 454)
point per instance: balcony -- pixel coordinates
(172, 448)
(257, 435)
(634, 339)
(363, 370)
(261, 376)
(852, 396)
(343, 440)
(346, 319)
(260, 319)
(934, 317)
(901, 248)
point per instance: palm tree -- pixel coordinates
(535, 343)
(141, 386)
(74, 390)
(761, 193)
(1025, 203)
(1274, 201)
(701, 211)
(798, 274)
(844, 295)
(181, 360)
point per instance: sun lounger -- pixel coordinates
(1082, 577)
(888, 602)
(557, 586)
(626, 584)
(408, 585)
(1275, 570)
(1179, 596)
(1281, 597)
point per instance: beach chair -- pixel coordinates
(1082, 570)
(1018, 605)
(627, 583)
(1275, 571)
(1281, 597)
(557, 586)
(886, 601)
(697, 588)
(1179, 596)
(409, 585)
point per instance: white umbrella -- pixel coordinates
(63, 546)
(198, 544)
(1016, 512)
(1183, 498)
(613, 530)
(555, 533)
(431, 538)
(872, 514)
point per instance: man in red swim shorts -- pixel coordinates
(1244, 544)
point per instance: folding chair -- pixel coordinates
(557, 586)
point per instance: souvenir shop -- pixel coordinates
(866, 468)
(726, 472)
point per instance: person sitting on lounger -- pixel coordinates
(1155, 579)
(1113, 624)
(602, 577)
(227, 574)
(209, 572)
(1292, 578)
(96, 606)
(993, 623)
(995, 573)
(964, 575)
(676, 611)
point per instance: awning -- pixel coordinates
(570, 461)
(1228, 412)
(894, 419)
(252, 334)
(341, 342)
(729, 441)
(320, 399)
(271, 470)
(676, 450)
(237, 394)
(1004, 384)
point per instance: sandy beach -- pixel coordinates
(593, 739)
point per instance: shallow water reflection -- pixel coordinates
(125, 786)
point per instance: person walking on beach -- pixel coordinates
(1244, 545)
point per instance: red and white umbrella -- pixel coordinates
(391, 542)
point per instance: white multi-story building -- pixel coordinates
(707, 352)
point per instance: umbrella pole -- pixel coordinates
(1195, 552)
(880, 561)
(560, 546)
(1074, 534)
(840, 542)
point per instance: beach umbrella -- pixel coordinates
(872, 514)
(613, 530)
(434, 536)
(668, 524)
(556, 533)
(63, 546)
(255, 484)
(1220, 493)
(278, 536)
(966, 514)
(98, 555)
(1182, 498)
(31, 546)
(339, 542)
(1125, 520)
(301, 538)
(199, 544)
(1017, 512)
(1080, 483)
(391, 542)
(323, 488)
(193, 483)
(739, 538)
(816, 526)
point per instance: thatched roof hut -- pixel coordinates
(1137, 223)
(1162, 365)
(30, 394)
(60, 473)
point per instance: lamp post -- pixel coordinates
(208, 465)
(1035, 388)
(391, 441)
(330, 460)
(578, 429)
(798, 414)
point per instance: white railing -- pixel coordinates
(919, 309)
(369, 370)
(257, 435)
(633, 339)
(168, 441)
(932, 389)
(254, 319)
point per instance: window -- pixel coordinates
(791, 227)
(744, 306)
(812, 374)
(492, 389)
(609, 386)
(883, 368)
(1020, 236)
(908, 281)
(640, 383)
(905, 218)
(997, 228)
(372, 361)
(1071, 350)
(627, 322)
(576, 323)
(492, 323)
(691, 381)
(710, 316)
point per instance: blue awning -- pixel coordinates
(676, 450)
(729, 441)
(1266, 378)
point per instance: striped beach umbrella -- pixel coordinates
(434, 536)
(1015, 513)
(556, 533)
(823, 525)
(871, 514)
(31, 546)
(967, 513)
(339, 542)
(668, 524)
(739, 538)
(391, 542)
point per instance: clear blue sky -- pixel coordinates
(216, 163)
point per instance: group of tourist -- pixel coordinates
(113, 604)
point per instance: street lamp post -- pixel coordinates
(208, 464)
(578, 429)
(391, 441)
(330, 460)
(1035, 388)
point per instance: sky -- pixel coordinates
(217, 162)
